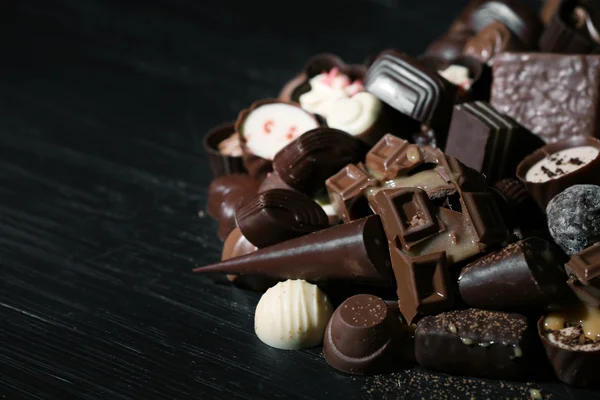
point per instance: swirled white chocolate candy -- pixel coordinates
(561, 163)
(292, 315)
(345, 105)
(458, 75)
(271, 127)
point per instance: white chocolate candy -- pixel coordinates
(292, 315)
(271, 127)
(355, 114)
(458, 75)
(561, 163)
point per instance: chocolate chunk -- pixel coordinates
(563, 92)
(548, 10)
(485, 217)
(423, 283)
(412, 89)
(494, 39)
(406, 215)
(573, 29)
(449, 46)
(220, 162)
(392, 156)
(356, 251)
(584, 275)
(278, 215)
(574, 218)
(557, 166)
(363, 336)
(574, 358)
(225, 195)
(488, 141)
(474, 342)
(346, 191)
(518, 17)
(308, 161)
(523, 277)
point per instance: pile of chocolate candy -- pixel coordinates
(465, 180)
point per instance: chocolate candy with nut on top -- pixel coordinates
(474, 342)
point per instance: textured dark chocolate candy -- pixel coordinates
(308, 161)
(423, 283)
(475, 342)
(584, 275)
(225, 195)
(392, 156)
(554, 96)
(574, 218)
(278, 215)
(346, 192)
(412, 89)
(573, 29)
(525, 276)
(518, 17)
(494, 39)
(572, 366)
(356, 251)
(221, 164)
(488, 141)
(363, 336)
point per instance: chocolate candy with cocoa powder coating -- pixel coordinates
(278, 215)
(363, 337)
(523, 277)
(490, 344)
(309, 160)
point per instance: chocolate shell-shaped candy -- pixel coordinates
(492, 40)
(488, 141)
(414, 90)
(222, 145)
(474, 342)
(267, 127)
(557, 166)
(574, 28)
(363, 337)
(525, 276)
(571, 342)
(517, 16)
(225, 195)
(308, 161)
(356, 251)
(278, 215)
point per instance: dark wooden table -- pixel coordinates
(103, 105)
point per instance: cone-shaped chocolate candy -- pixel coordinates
(355, 251)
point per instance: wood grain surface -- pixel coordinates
(103, 105)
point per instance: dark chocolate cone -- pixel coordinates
(356, 251)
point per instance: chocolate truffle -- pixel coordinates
(554, 96)
(363, 337)
(574, 218)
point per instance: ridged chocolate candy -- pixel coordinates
(278, 215)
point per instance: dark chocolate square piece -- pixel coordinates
(585, 265)
(346, 188)
(391, 156)
(485, 217)
(412, 89)
(555, 96)
(406, 215)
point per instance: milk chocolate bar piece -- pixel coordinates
(308, 161)
(357, 251)
(412, 89)
(474, 342)
(392, 156)
(485, 217)
(423, 283)
(564, 91)
(573, 29)
(346, 191)
(525, 276)
(406, 214)
(278, 215)
(488, 141)
(584, 275)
